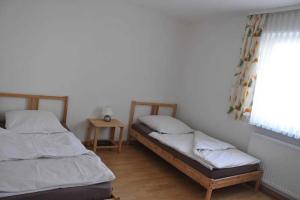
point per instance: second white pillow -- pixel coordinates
(165, 124)
(32, 121)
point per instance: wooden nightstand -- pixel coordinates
(96, 124)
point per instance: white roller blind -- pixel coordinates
(276, 102)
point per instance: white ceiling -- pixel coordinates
(193, 9)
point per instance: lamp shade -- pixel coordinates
(107, 111)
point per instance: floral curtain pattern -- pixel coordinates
(245, 76)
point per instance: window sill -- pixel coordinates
(277, 136)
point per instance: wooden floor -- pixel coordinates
(141, 175)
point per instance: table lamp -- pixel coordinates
(107, 113)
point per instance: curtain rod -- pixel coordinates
(275, 10)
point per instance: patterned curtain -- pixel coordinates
(245, 76)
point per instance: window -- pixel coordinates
(276, 101)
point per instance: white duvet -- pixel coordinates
(209, 151)
(183, 143)
(14, 146)
(37, 162)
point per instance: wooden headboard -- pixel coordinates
(154, 109)
(33, 101)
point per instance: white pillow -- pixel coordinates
(165, 124)
(32, 121)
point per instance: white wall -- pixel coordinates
(108, 52)
(97, 52)
(207, 75)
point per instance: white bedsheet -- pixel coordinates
(224, 158)
(25, 176)
(15, 146)
(203, 142)
(183, 143)
(44, 162)
(220, 154)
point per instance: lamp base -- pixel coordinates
(107, 118)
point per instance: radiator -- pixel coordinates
(280, 162)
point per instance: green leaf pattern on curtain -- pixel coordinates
(245, 76)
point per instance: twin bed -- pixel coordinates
(55, 165)
(50, 164)
(171, 148)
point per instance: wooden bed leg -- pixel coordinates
(257, 185)
(129, 137)
(208, 193)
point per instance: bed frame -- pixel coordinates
(33, 104)
(208, 183)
